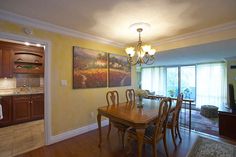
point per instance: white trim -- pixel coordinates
(75, 132)
(47, 76)
(8, 16)
(202, 32)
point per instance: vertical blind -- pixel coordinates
(154, 79)
(211, 84)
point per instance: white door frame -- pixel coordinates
(47, 78)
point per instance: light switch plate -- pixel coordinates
(64, 82)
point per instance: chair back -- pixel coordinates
(130, 95)
(175, 115)
(112, 98)
(161, 121)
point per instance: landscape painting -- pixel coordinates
(89, 68)
(119, 71)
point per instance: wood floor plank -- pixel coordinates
(86, 145)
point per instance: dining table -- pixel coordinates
(132, 114)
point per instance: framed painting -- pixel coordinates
(119, 71)
(89, 68)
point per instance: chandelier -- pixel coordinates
(141, 54)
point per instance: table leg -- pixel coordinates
(99, 129)
(140, 135)
(190, 114)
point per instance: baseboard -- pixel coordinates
(75, 132)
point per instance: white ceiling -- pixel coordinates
(110, 19)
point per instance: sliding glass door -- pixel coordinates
(187, 82)
(172, 81)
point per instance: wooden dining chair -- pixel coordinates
(173, 121)
(112, 98)
(130, 95)
(157, 131)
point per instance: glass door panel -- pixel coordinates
(187, 83)
(172, 82)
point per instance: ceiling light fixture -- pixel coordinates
(140, 54)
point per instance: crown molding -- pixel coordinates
(12, 17)
(202, 32)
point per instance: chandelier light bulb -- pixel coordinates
(130, 51)
(146, 48)
(152, 52)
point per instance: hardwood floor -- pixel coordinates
(86, 145)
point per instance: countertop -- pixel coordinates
(21, 91)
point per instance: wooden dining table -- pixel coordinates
(130, 114)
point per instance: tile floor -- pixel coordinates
(21, 138)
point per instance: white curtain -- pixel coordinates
(154, 79)
(211, 84)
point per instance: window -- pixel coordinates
(172, 82)
(205, 83)
(211, 84)
(187, 83)
(154, 79)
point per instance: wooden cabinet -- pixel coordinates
(37, 106)
(21, 108)
(18, 58)
(6, 103)
(227, 123)
(28, 62)
(6, 62)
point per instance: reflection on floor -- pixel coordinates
(199, 122)
(21, 138)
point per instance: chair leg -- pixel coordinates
(173, 135)
(176, 135)
(154, 151)
(179, 132)
(109, 129)
(165, 145)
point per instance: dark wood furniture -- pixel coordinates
(21, 108)
(20, 59)
(6, 103)
(157, 131)
(227, 123)
(128, 114)
(185, 101)
(112, 98)
(173, 122)
(6, 63)
(130, 95)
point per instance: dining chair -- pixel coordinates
(173, 121)
(112, 98)
(130, 95)
(156, 131)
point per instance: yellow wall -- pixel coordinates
(71, 109)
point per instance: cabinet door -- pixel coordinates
(21, 108)
(6, 62)
(6, 103)
(37, 106)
